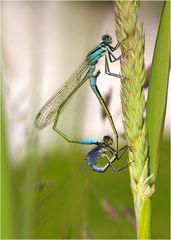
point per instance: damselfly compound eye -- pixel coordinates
(107, 140)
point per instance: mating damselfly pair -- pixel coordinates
(51, 111)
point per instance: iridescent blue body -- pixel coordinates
(93, 156)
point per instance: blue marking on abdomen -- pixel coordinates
(97, 169)
(94, 87)
(93, 81)
(89, 141)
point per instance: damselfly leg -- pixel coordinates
(93, 83)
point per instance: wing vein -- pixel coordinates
(59, 99)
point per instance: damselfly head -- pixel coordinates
(106, 39)
(108, 140)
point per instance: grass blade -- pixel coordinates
(158, 85)
(7, 224)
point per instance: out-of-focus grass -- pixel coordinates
(7, 216)
(69, 200)
(161, 199)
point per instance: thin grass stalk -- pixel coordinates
(7, 207)
(133, 106)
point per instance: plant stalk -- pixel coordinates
(133, 106)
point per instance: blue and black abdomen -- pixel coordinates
(94, 155)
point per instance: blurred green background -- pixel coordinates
(45, 192)
(55, 198)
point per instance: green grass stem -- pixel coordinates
(133, 106)
(158, 86)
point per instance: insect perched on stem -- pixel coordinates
(104, 150)
(52, 109)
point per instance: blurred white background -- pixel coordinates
(42, 44)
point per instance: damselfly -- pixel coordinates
(51, 111)
(104, 150)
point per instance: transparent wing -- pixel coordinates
(58, 100)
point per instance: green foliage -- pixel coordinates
(54, 198)
(158, 85)
(70, 200)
